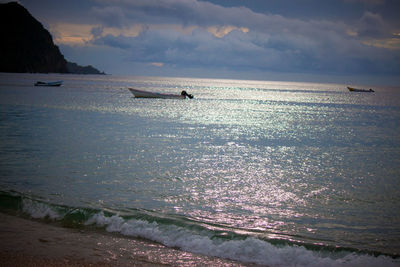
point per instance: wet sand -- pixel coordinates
(31, 243)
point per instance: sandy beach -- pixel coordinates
(31, 243)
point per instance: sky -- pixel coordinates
(353, 41)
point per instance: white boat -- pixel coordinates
(57, 83)
(146, 94)
(351, 89)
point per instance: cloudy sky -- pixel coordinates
(320, 40)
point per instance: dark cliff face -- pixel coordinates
(75, 68)
(26, 45)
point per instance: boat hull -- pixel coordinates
(39, 83)
(351, 89)
(145, 94)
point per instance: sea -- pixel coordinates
(265, 172)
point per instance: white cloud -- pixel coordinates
(157, 64)
(71, 34)
(85, 34)
(224, 30)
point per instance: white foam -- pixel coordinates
(250, 250)
(39, 210)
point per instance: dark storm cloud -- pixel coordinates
(372, 25)
(253, 50)
(345, 36)
(112, 16)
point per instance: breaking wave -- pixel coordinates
(189, 237)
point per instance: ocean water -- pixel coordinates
(273, 173)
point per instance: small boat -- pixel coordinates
(146, 94)
(39, 83)
(351, 89)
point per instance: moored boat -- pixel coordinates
(146, 94)
(40, 83)
(351, 89)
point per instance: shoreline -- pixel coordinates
(26, 242)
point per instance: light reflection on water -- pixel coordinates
(271, 158)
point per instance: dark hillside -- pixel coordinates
(26, 46)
